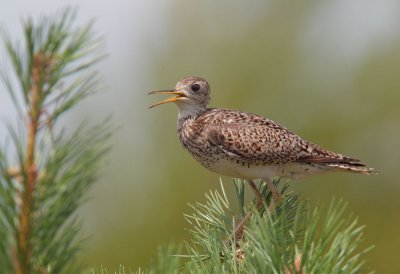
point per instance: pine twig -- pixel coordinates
(40, 66)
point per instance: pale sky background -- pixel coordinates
(135, 29)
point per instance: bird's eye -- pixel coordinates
(195, 87)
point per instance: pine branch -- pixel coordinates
(40, 192)
(291, 239)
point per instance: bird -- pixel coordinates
(245, 145)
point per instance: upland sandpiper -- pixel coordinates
(245, 145)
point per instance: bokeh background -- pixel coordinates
(328, 70)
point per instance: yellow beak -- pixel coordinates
(179, 96)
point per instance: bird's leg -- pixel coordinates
(238, 232)
(257, 194)
(276, 196)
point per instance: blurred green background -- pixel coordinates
(328, 70)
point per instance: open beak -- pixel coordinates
(179, 96)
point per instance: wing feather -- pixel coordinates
(254, 139)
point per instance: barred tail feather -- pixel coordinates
(338, 163)
(353, 167)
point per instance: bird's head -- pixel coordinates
(192, 95)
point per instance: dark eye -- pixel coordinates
(195, 87)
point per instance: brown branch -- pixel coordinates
(24, 248)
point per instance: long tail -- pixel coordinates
(353, 167)
(338, 163)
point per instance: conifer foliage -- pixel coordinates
(292, 238)
(45, 169)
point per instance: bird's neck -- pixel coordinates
(187, 110)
